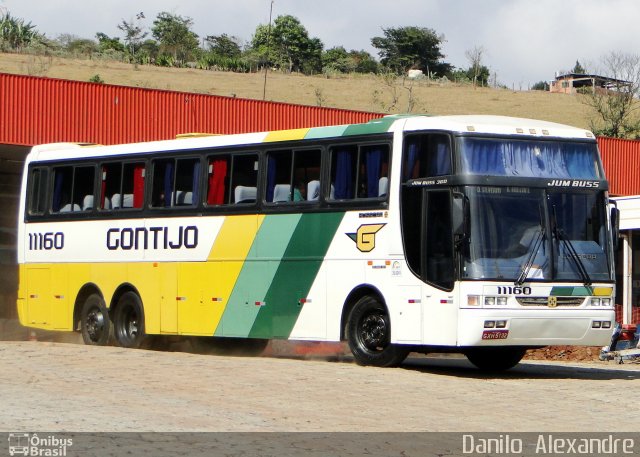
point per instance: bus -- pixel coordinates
(482, 235)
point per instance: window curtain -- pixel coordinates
(440, 160)
(410, 160)
(138, 186)
(57, 191)
(217, 177)
(529, 159)
(373, 162)
(344, 175)
(195, 189)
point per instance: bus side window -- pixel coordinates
(37, 191)
(359, 171)
(83, 184)
(426, 155)
(244, 178)
(122, 185)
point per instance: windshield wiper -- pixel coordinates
(534, 247)
(560, 235)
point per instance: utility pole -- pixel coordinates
(264, 87)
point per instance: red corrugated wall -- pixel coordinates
(36, 110)
(621, 160)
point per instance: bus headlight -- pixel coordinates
(489, 301)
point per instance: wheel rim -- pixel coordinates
(373, 332)
(95, 323)
(129, 325)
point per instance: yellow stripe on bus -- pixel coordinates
(227, 256)
(286, 135)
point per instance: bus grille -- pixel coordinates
(544, 301)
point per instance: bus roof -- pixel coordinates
(483, 124)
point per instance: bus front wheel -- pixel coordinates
(95, 324)
(369, 335)
(128, 321)
(495, 358)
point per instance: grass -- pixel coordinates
(357, 92)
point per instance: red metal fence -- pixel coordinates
(621, 160)
(37, 110)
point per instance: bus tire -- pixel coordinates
(495, 358)
(95, 324)
(128, 321)
(369, 335)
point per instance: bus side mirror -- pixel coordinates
(615, 226)
(460, 217)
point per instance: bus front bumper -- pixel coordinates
(506, 327)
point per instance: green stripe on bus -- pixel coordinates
(569, 291)
(378, 126)
(257, 274)
(325, 132)
(296, 274)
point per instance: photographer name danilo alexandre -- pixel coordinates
(548, 444)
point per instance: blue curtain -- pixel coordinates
(373, 161)
(57, 191)
(271, 178)
(440, 160)
(410, 160)
(196, 183)
(529, 159)
(168, 183)
(344, 175)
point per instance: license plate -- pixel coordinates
(495, 334)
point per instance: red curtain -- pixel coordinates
(217, 176)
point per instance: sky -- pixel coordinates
(524, 41)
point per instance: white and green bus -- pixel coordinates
(483, 235)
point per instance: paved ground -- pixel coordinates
(70, 387)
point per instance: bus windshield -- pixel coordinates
(529, 158)
(521, 233)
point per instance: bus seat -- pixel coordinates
(87, 202)
(107, 203)
(184, 198)
(282, 193)
(68, 207)
(127, 201)
(383, 186)
(313, 190)
(332, 193)
(245, 194)
(115, 201)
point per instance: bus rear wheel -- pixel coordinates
(495, 358)
(369, 335)
(95, 324)
(128, 321)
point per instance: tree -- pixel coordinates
(541, 85)
(615, 106)
(477, 72)
(338, 59)
(133, 34)
(287, 45)
(15, 33)
(404, 48)
(224, 45)
(76, 45)
(106, 42)
(578, 69)
(175, 37)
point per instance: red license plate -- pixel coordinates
(495, 334)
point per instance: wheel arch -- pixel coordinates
(356, 294)
(85, 292)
